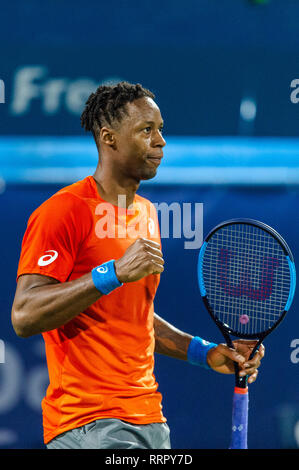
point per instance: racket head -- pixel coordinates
(247, 277)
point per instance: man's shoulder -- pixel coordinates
(67, 198)
(81, 189)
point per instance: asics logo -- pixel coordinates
(47, 259)
(102, 269)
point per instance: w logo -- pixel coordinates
(2, 92)
(245, 287)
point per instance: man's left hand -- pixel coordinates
(222, 358)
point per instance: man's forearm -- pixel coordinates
(169, 340)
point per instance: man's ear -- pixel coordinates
(107, 137)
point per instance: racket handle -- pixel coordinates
(240, 419)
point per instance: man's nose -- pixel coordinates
(158, 140)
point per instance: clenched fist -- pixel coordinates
(142, 258)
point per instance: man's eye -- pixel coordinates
(161, 130)
(147, 129)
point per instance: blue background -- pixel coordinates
(201, 60)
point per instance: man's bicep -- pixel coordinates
(25, 283)
(28, 281)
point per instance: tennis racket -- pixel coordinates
(247, 279)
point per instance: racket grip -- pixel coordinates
(240, 419)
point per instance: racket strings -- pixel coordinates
(246, 277)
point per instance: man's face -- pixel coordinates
(139, 141)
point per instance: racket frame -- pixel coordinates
(226, 331)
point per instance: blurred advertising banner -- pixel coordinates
(46, 89)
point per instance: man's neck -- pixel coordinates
(110, 189)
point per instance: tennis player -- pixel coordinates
(87, 280)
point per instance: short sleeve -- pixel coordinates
(52, 237)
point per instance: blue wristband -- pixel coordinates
(104, 277)
(198, 350)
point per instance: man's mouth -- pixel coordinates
(155, 159)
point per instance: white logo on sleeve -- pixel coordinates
(47, 259)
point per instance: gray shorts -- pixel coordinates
(114, 434)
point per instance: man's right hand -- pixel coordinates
(142, 258)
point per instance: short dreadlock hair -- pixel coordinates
(107, 104)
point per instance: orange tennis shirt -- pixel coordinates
(101, 362)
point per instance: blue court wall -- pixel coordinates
(196, 402)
